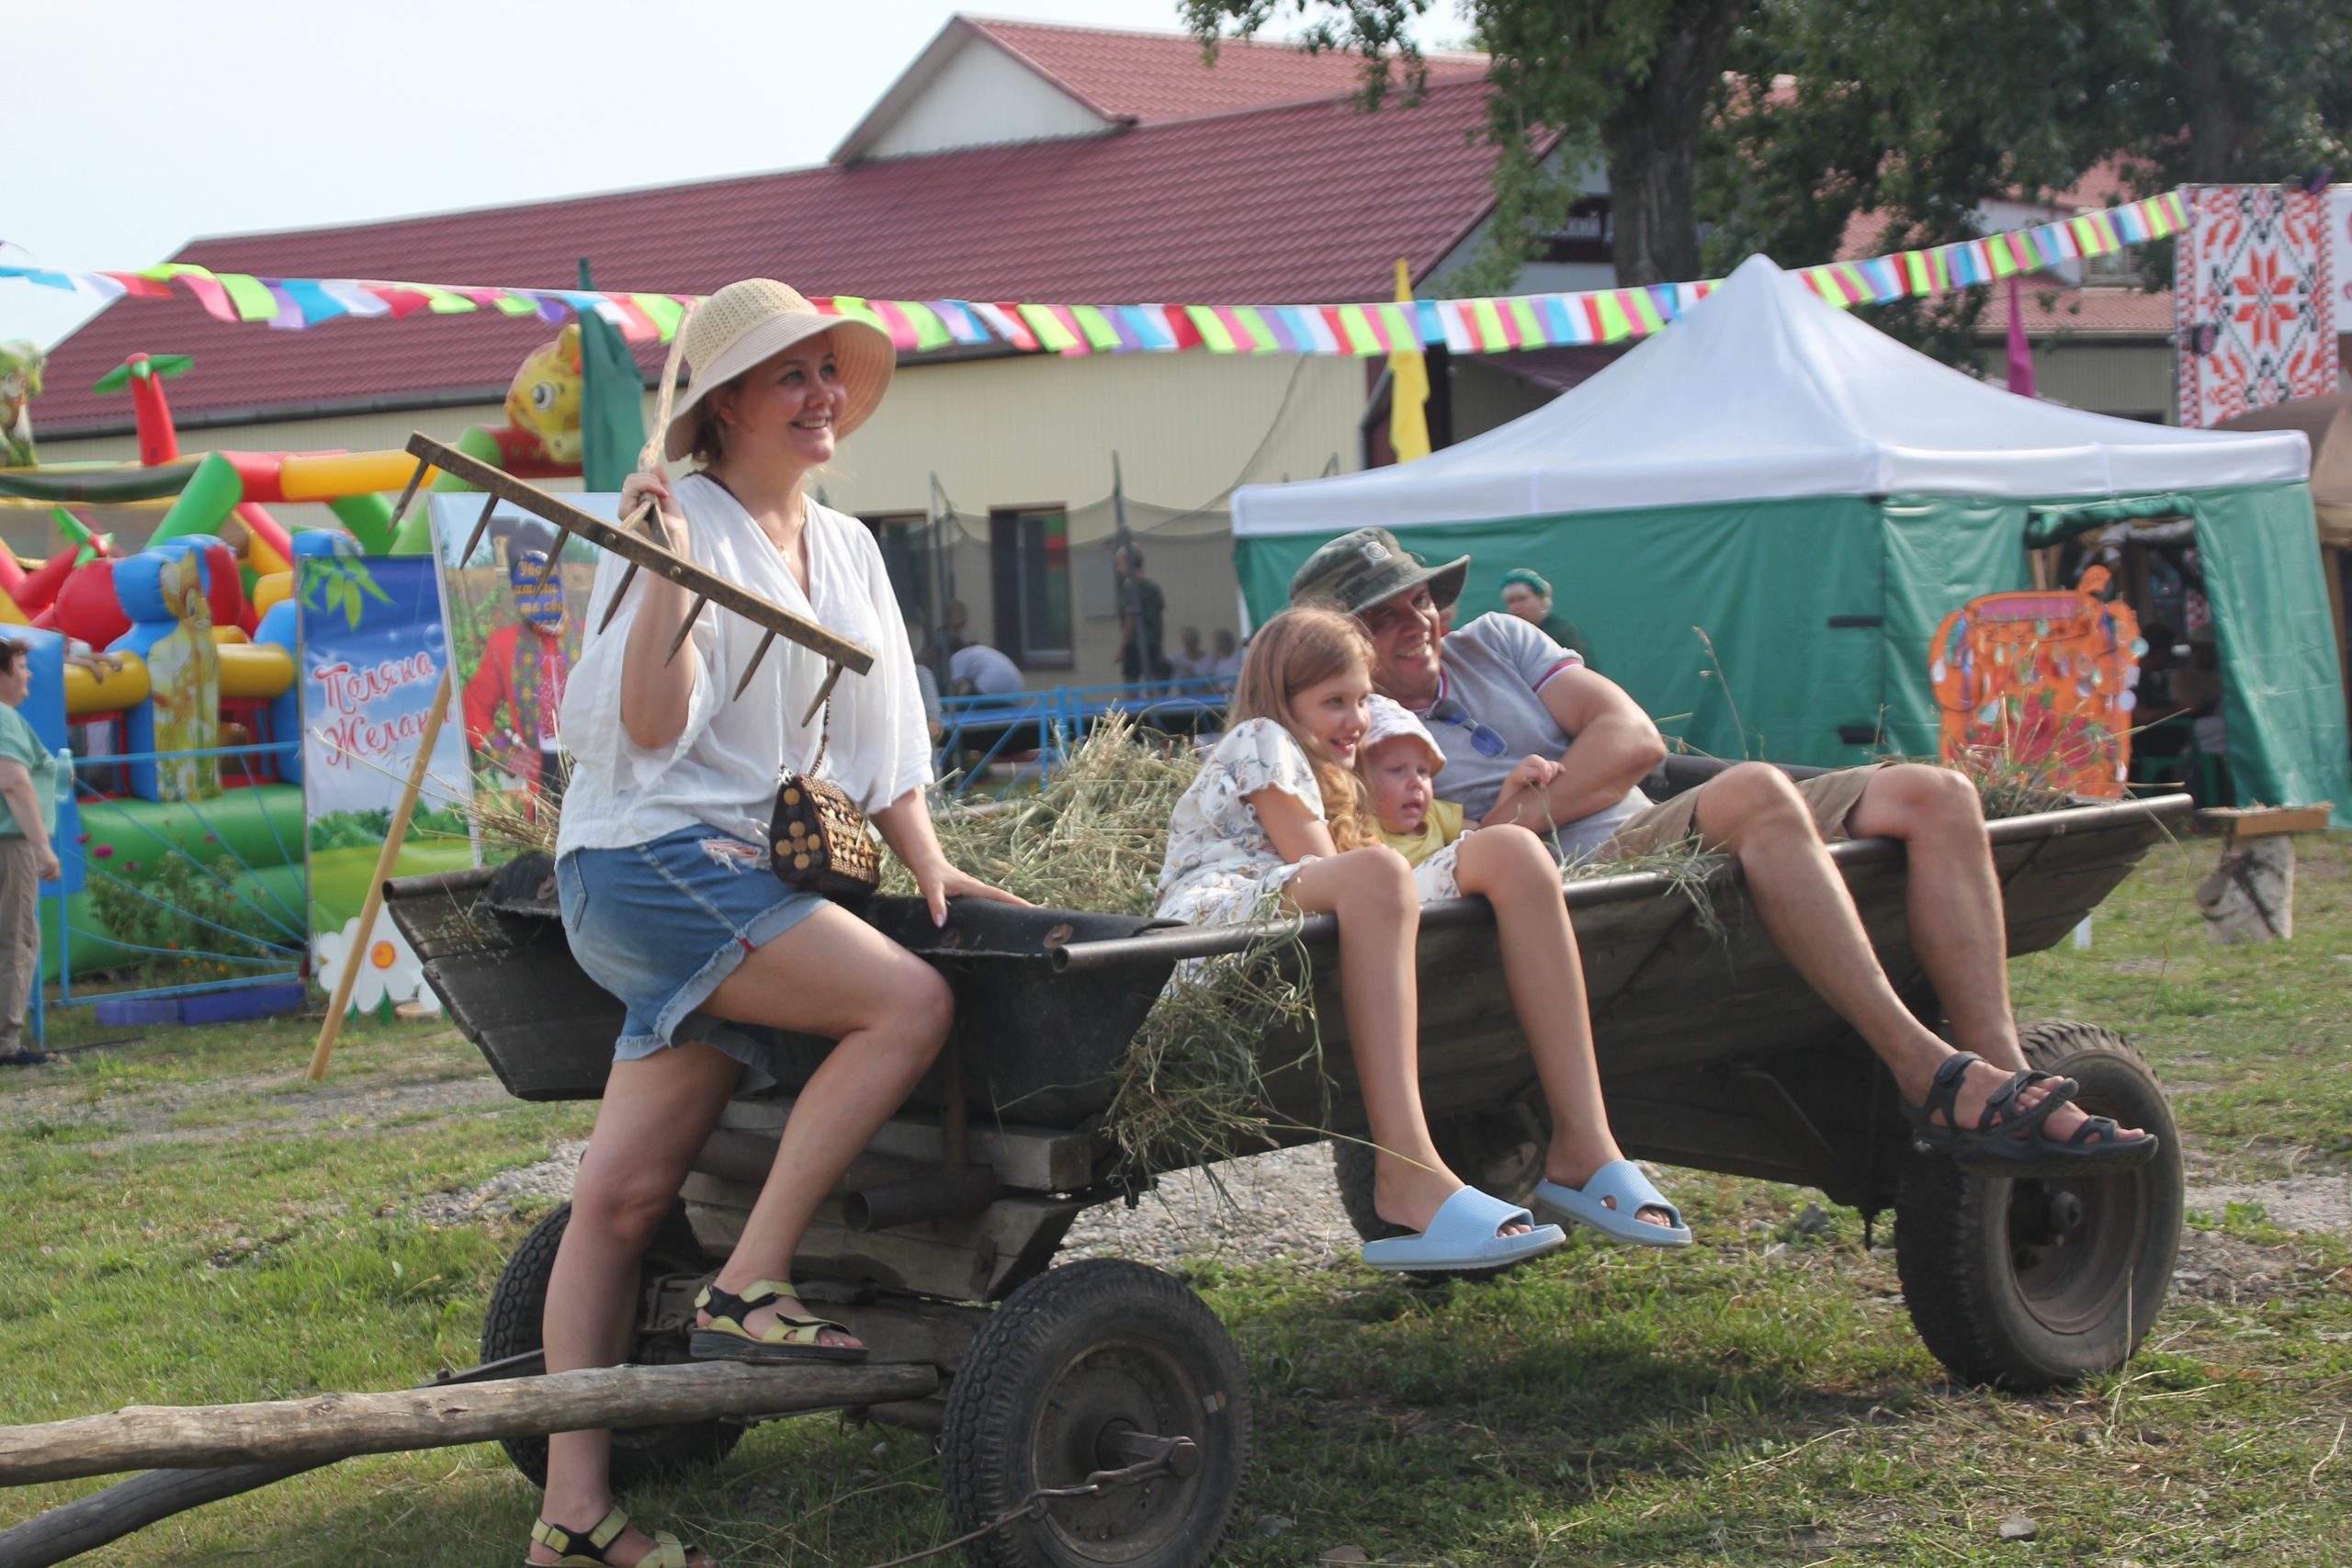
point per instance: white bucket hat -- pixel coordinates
(746, 322)
(1391, 719)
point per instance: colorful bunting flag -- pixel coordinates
(1466, 326)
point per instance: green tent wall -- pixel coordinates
(1819, 613)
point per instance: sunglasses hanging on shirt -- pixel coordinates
(1482, 740)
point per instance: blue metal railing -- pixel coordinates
(1039, 728)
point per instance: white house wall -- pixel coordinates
(980, 97)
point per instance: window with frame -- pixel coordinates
(1029, 550)
(906, 543)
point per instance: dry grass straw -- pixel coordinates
(1192, 1085)
(1091, 838)
(1192, 1088)
(508, 825)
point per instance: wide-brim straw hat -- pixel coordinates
(759, 317)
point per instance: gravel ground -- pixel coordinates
(2298, 1203)
(1284, 1205)
(538, 1186)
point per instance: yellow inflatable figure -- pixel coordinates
(544, 402)
(184, 667)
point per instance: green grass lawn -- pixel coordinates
(184, 1220)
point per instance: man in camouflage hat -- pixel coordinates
(1498, 690)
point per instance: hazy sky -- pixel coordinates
(142, 124)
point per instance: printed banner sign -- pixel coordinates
(373, 650)
(2039, 687)
(2255, 301)
(516, 624)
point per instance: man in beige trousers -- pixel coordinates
(27, 818)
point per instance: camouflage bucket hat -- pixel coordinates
(1357, 570)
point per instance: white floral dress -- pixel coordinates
(1221, 866)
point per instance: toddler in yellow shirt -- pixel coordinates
(1399, 759)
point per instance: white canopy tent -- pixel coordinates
(1812, 498)
(1767, 391)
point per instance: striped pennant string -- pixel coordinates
(961, 325)
(662, 311)
(895, 322)
(289, 317)
(1459, 337)
(309, 299)
(1562, 323)
(1090, 324)
(1250, 333)
(1276, 321)
(199, 282)
(1006, 318)
(1474, 325)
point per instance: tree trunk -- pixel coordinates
(2217, 140)
(1652, 140)
(336, 1425)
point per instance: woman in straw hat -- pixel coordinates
(662, 869)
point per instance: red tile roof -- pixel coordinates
(2119, 312)
(1304, 203)
(1159, 76)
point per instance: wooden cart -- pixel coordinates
(1713, 1054)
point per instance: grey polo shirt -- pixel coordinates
(1491, 671)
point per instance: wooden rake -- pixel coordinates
(643, 551)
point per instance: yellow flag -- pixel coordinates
(1408, 387)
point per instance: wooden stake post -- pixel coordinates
(394, 837)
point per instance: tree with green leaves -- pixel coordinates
(1783, 123)
(1629, 82)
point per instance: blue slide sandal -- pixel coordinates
(1462, 1240)
(1623, 1180)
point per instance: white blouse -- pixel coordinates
(721, 770)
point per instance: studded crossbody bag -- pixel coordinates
(818, 838)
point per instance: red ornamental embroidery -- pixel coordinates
(2255, 301)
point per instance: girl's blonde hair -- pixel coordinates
(1296, 650)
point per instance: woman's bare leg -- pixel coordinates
(656, 1114)
(1508, 867)
(1380, 915)
(832, 975)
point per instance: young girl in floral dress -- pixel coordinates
(1278, 823)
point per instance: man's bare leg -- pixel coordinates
(1953, 907)
(1752, 811)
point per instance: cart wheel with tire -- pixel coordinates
(2027, 1283)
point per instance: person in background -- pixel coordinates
(947, 642)
(512, 698)
(28, 859)
(927, 683)
(979, 670)
(1143, 609)
(1191, 662)
(1224, 657)
(1529, 597)
(2196, 688)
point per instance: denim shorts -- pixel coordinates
(660, 924)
